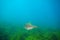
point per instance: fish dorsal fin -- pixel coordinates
(28, 25)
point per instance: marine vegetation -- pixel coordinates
(15, 32)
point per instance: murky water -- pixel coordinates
(14, 14)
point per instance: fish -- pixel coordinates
(29, 26)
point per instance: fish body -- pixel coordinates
(29, 26)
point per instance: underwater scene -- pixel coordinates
(29, 20)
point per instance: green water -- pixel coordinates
(14, 14)
(15, 32)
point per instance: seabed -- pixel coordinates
(14, 32)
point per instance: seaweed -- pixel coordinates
(16, 33)
(3, 35)
(54, 37)
(24, 36)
